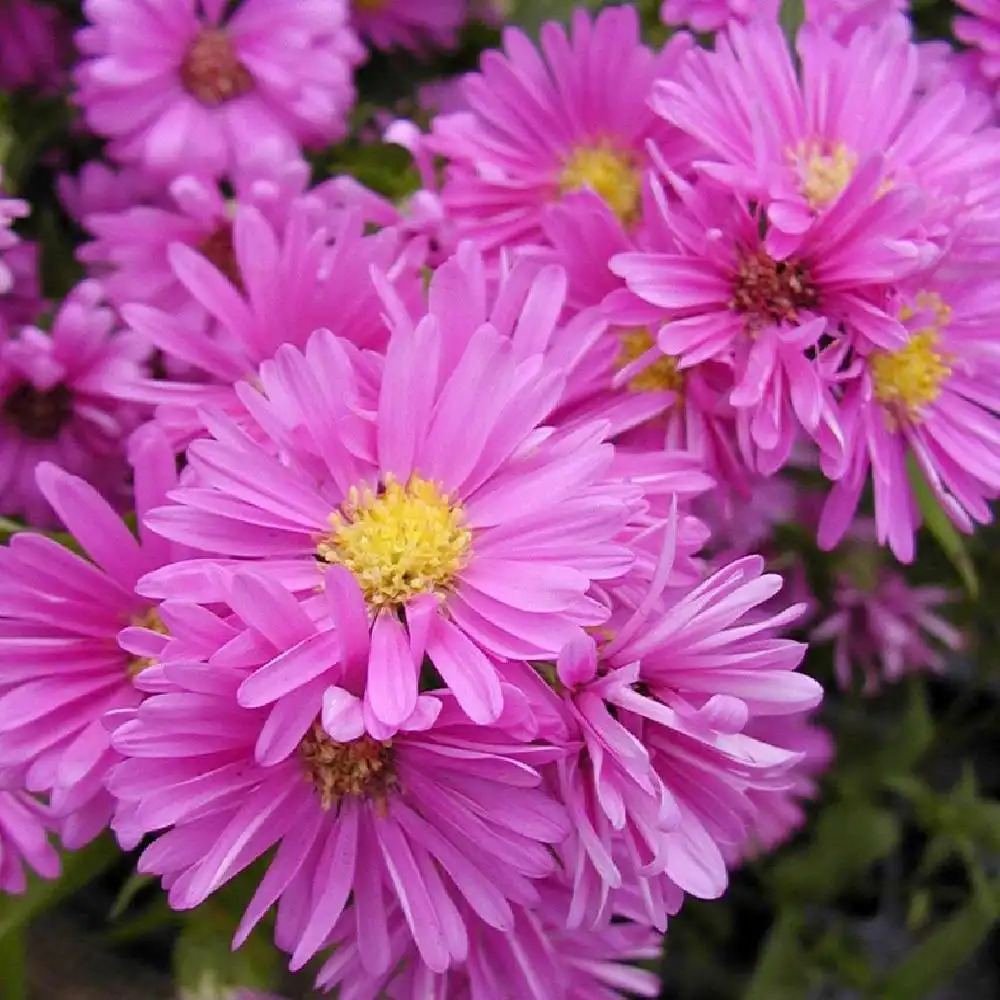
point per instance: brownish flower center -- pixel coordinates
(218, 248)
(363, 768)
(211, 71)
(770, 291)
(39, 414)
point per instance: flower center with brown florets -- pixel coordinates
(398, 542)
(363, 768)
(39, 414)
(769, 291)
(218, 249)
(211, 70)
(609, 173)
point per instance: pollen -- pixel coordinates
(909, 379)
(399, 542)
(148, 619)
(660, 375)
(824, 171)
(211, 71)
(609, 173)
(363, 768)
(771, 291)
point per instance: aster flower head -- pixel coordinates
(25, 829)
(883, 627)
(434, 477)
(99, 189)
(538, 958)
(853, 106)
(57, 403)
(841, 18)
(979, 28)
(215, 84)
(74, 636)
(541, 124)
(711, 15)
(926, 407)
(409, 24)
(10, 210)
(22, 301)
(441, 813)
(34, 46)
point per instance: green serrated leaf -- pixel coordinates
(941, 527)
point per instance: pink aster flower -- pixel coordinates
(852, 109)
(538, 958)
(542, 124)
(979, 28)
(929, 403)
(100, 189)
(61, 618)
(10, 209)
(25, 826)
(883, 627)
(260, 285)
(440, 814)
(711, 15)
(841, 18)
(22, 302)
(409, 24)
(186, 87)
(57, 403)
(34, 45)
(433, 473)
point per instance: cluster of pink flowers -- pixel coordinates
(442, 600)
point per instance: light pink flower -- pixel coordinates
(409, 24)
(98, 189)
(980, 29)
(841, 18)
(25, 826)
(182, 87)
(61, 616)
(57, 403)
(544, 123)
(10, 210)
(711, 15)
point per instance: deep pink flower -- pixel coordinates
(22, 302)
(34, 46)
(99, 189)
(710, 15)
(57, 403)
(930, 402)
(883, 627)
(980, 29)
(181, 87)
(10, 209)
(538, 958)
(439, 814)
(61, 616)
(433, 474)
(852, 109)
(542, 124)
(259, 285)
(25, 826)
(410, 24)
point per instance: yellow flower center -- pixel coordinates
(824, 172)
(660, 375)
(399, 542)
(362, 768)
(148, 619)
(609, 173)
(909, 379)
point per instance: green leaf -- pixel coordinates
(78, 869)
(942, 528)
(206, 967)
(133, 885)
(942, 953)
(791, 18)
(781, 973)
(13, 973)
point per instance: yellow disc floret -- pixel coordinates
(909, 379)
(824, 171)
(660, 375)
(609, 173)
(398, 542)
(148, 619)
